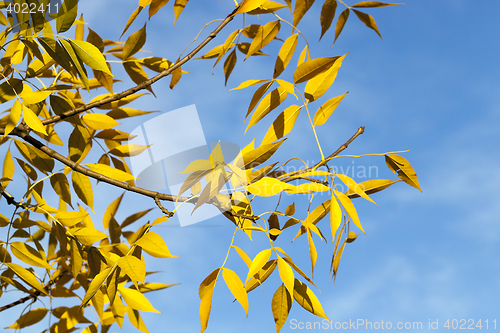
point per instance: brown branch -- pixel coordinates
(293, 176)
(163, 209)
(10, 199)
(100, 177)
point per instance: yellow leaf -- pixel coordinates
(205, 292)
(250, 158)
(133, 267)
(69, 219)
(248, 5)
(236, 287)
(267, 7)
(281, 305)
(83, 188)
(136, 300)
(128, 150)
(354, 186)
(116, 104)
(289, 87)
(315, 216)
(132, 18)
(8, 168)
(336, 258)
(311, 68)
(371, 186)
(10, 89)
(312, 251)
(179, 6)
(33, 121)
(257, 96)
(261, 275)
(135, 42)
(243, 256)
(316, 87)
(90, 55)
(27, 277)
(327, 15)
(229, 65)
(258, 262)
(14, 116)
(267, 187)
(67, 15)
(126, 113)
(60, 185)
(368, 20)
(88, 236)
(349, 208)
(326, 110)
(248, 83)
(270, 102)
(264, 36)
(335, 216)
(95, 285)
(35, 97)
(306, 299)
(308, 188)
(76, 258)
(29, 255)
(155, 6)
(32, 317)
(286, 274)
(154, 245)
(110, 172)
(404, 169)
(341, 21)
(301, 7)
(373, 4)
(98, 121)
(136, 73)
(351, 237)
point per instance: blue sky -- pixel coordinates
(430, 86)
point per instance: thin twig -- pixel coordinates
(34, 295)
(163, 209)
(293, 176)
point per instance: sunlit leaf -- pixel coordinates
(354, 186)
(33, 121)
(301, 8)
(258, 262)
(28, 255)
(179, 6)
(88, 236)
(136, 300)
(326, 110)
(97, 121)
(30, 318)
(133, 267)
(316, 87)
(154, 245)
(306, 299)
(341, 21)
(404, 169)
(267, 187)
(248, 5)
(205, 292)
(327, 15)
(349, 208)
(83, 188)
(281, 305)
(368, 20)
(110, 172)
(312, 68)
(373, 4)
(270, 102)
(236, 287)
(155, 6)
(371, 186)
(27, 277)
(264, 36)
(67, 15)
(135, 42)
(335, 216)
(286, 274)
